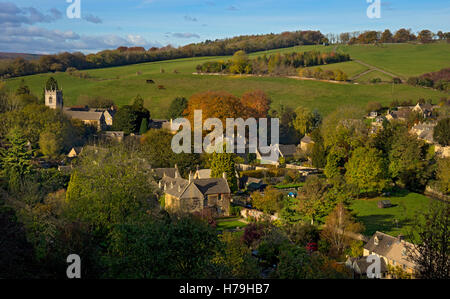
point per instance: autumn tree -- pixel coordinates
(257, 103)
(240, 63)
(216, 104)
(340, 230)
(386, 36)
(404, 35)
(425, 36)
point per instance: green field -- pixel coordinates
(406, 205)
(372, 75)
(229, 224)
(122, 84)
(404, 60)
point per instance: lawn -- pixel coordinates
(289, 186)
(229, 224)
(395, 220)
(122, 84)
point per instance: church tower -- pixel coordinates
(54, 99)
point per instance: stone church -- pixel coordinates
(97, 117)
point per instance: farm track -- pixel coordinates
(371, 68)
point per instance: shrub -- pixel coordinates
(396, 80)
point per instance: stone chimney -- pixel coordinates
(176, 174)
(165, 187)
(224, 175)
(179, 188)
(159, 184)
(191, 177)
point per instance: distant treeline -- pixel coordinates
(224, 47)
(400, 36)
(126, 56)
(439, 80)
(275, 64)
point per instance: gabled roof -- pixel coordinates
(83, 114)
(203, 174)
(424, 107)
(77, 150)
(212, 186)
(196, 188)
(390, 247)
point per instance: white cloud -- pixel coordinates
(12, 15)
(32, 39)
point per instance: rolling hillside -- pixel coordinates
(122, 84)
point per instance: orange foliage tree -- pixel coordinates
(223, 105)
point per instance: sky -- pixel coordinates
(44, 26)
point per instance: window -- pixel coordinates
(50, 100)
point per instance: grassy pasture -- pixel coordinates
(395, 220)
(122, 84)
(372, 75)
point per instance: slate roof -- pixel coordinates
(203, 174)
(196, 188)
(287, 150)
(390, 247)
(83, 114)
